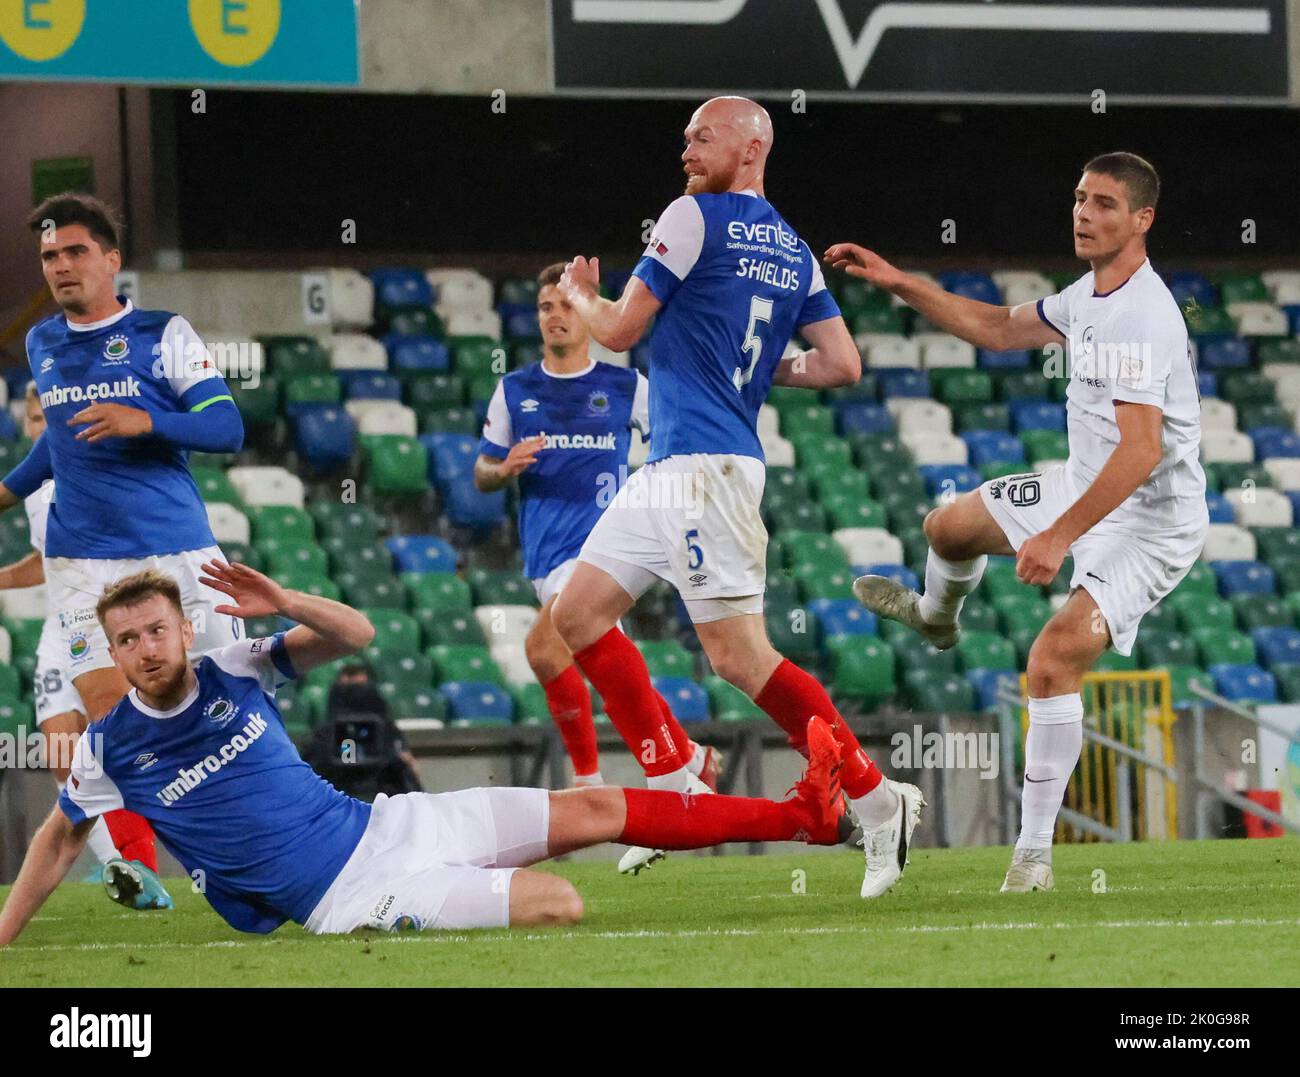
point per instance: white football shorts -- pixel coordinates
(52, 683)
(433, 861)
(1127, 572)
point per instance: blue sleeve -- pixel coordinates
(28, 476)
(657, 277)
(280, 658)
(492, 449)
(817, 308)
(212, 425)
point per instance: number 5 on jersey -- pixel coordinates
(760, 310)
(694, 554)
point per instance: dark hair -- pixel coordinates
(1136, 173)
(73, 207)
(131, 590)
(551, 274)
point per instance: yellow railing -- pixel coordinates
(1136, 710)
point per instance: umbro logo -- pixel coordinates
(698, 579)
(145, 761)
(46, 363)
(528, 406)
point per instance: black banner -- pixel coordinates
(1169, 51)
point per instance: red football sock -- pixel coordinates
(133, 837)
(685, 746)
(790, 697)
(661, 819)
(570, 706)
(615, 666)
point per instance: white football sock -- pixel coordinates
(1052, 749)
(875, 807)
(696, 762)
(588, 779)
(947, 583)
(678, 781)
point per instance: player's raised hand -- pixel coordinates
(1039, 558)
(111, 421)
(522, 454)
(255, 595)
(580, 278)
(859, 262)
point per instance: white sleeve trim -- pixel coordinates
(251, 658)
(641, 406)
(818, 278)
(184, 359)
(496, 428)
(89, 788)
(678, 237)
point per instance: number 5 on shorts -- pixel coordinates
(693, 550)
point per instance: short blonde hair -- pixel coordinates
(130, 590)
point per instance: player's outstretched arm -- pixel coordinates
(832, 361)
(491, 474)
(326, 629)
(28, 477)
(986, 325)
(52, 852)
(27, 572)
(618, 323)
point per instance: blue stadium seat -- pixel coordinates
(1221, 511)
(1015, 359)
(17, 377)
(1294, 497)
(1244, 683)
(1277, 645)
(902, 382)
(1208, 382)
(900, 573)
(1189, 286)
(521, 325)
(949, 478)
(842, 617)
(371, 385)
(396, 287)
(465, 506)
(687, 700)
(1243, 577)
(1274, 441)
(993, 447)
(450, 455)
(1292, 312)
(856, 417)
(326, 438)
(418, 353)
(972, 284)
(986, 683)
(615, 280)
(8, 426)
(1036, 415)
(422, 553)
(1233, 354)
(478, 701)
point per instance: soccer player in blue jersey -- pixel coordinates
(200, 750)
(563, 428)
(727, 283)
(127, 394)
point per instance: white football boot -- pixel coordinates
(1031, 869)
(889, 598)
(638, 858)
(887, 846)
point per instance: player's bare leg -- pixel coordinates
(100, 691)
(960, 534)
(740, 652)
(1068, 646)
(567, 696)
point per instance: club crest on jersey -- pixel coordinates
(145, 761)
(78, 645)
(598, 402)
(221, 712)
(116, 350)
(528, 406)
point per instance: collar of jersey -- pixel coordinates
(749, 191)
(591, 365)
(1102, 295)
(90, 327)
(184, 704)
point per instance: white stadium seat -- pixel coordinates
(883, 351)
(1226, 447)
(513, 663)
(459, 289)
(505, 625)
(382, 417)
(1284, 471)
(941, 350)
(356, 351)
(869, 545)
(602, 354)
(1284, 285)
(228, 523)
(1229, 542)
(1260, 507)
(1022, 286)
(930, 447)
(6, 646)
(916, 414)
(638, 450)
(1217, 414)
(352, 299)
(24, 603)
(474, 323)
(779, 452)
(769, 421)
(238, 356)
(267, 486)
(4, 392)
(1286, 384)
(1258, 319)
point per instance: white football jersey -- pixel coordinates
(37, 505)
(1130, 344)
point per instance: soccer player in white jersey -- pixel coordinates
(60, 715)
(1128, 505)
(127, 394)
(728, 283)
(201, 750)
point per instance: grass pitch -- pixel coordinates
(1160, 914)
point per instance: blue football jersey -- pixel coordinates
(587, 418)
(260, 833)
(735, 282)
(122, 497)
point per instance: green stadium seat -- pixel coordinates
(1292, 601)
(841, 482)
(312, 390)
(1217, 645)
(215, 486)
(1022, 385)
(787, 516)
(1276, 543)
(379, 594)
(1209, 321)
(397, 466)
(850, 510)
(1111, 661)
(501, 588)
(1243, 288)
(905, 510)
(396, 632)
(916, 546)
(1025, 609)
(475, 357)
(357, 523)
(321, 675)
(427, 392)
(407, 702)
(296, 558)
(245, 555)
(518, 291)
(939, 692)
(1160, 647)
(986, 650)
(450, 421)
(407, 670)
(437, 591)
(297, 713)
(881, 455)
(792, 630)
(1288, 681)
(915, 651)
(464, 662)
(531, 707)
(1232, 476)
(1044, 445)
(1279, 351)
(1000, 580)
(281, 523)
(815, 450)
(782, 589)
(667, 658)
(808, 421)
(1180, 681)
(258, 404)
(863, 668)
(358, 559)
(1253, 415)
(958, 388)
(727, 703)
(414, 322)
(1243, 387)
(10, 683)
(1200, 578)
(1196, 609)
(449, 626)
(823, 580)
(981, 417)
(290, 356)
(775, 557)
